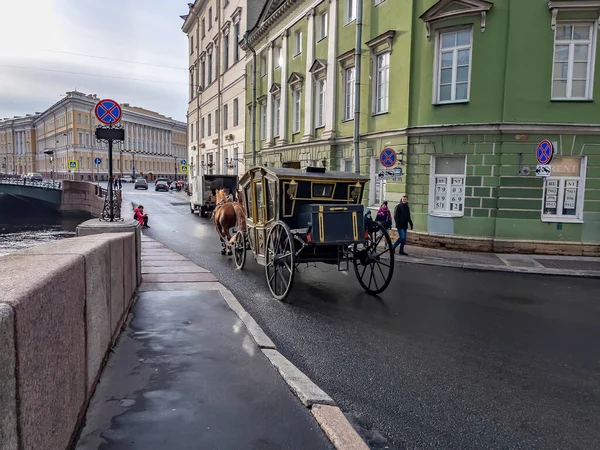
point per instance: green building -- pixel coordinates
(463, 91)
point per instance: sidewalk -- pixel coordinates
(192, 370)
(504, 262)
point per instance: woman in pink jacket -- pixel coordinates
(140, 216)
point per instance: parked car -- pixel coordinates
(127, 179)
(166, 180)
(141, 183)
(161, 185)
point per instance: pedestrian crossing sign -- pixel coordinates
(72, 164)
(184, 168)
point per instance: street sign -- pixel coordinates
(183, 161)
(184, 168)
(397, 172)
(543, 170)
(108, 111)
(115, 134)
(97, 161)
(544, 152)
(72, 164)
(387, 157)
(385, 174)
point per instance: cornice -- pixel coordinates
(257, 33)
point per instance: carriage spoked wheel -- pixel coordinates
(280, 260)
(239, 249)
(374, 259)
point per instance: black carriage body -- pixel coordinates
(322, 209)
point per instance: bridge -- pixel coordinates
(48, 191)
(65, 196)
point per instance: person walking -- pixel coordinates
(384, 217)
(120, 183)
(402, 219)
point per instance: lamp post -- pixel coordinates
(175, 167)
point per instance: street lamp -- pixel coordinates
(51, 154)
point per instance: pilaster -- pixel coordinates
(330, 106)
(269, 139)
(308, 94)
(284, 91)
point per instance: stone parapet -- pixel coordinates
(81, 196)
(62, 306)
(499, 245)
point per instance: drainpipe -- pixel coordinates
(253, 110)
(218, 62)
(357, 61)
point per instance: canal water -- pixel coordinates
(25, 224)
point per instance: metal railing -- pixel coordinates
(45, 184)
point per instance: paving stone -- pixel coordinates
(178, 277)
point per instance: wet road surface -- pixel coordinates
(445, 358)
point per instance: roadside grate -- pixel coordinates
(569, 264)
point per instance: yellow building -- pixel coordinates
(18, 145)
(60, 143)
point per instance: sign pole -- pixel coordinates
(109, 113)
(110, 180)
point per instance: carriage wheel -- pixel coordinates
(239, 250)
(374, 260)
(280, 260)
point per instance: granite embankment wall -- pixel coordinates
(81, 196)
(62, 306)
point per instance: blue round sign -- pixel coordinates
(544, 152)
(183, 161)
(387, 157)
(97, 161)
(108, 111)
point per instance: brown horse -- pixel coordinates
(228, 214)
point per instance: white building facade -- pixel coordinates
(216, 125)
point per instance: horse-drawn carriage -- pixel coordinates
(295, 216)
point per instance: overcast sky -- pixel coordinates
(44, 34)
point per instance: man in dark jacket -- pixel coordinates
(402, 219)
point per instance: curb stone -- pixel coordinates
(330, 418)
(495, 268)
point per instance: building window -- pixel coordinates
(225, 52)
(191, 45)
(263, 65)
(447, 190)
(80, 136)
(573, 61)
(382, 83)
(453, 66)
(236, 36)
(235, 112)
(209, 125)
(203, 65)
(209, 69)
(78, 118)
(276, 116)
(277, 57)
(297, 43)
(296, 99)
(203, 28)
(263, 121)
(323, 24)
(349, 93)
(347, 165)
(202, 128)
(320, 103)
(192, 132)
(350, 10)
(192, 84)
(563, 190)
(225, 118)
(210, 18)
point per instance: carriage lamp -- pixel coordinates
(355, 192)
(324, 162)
(292, 189)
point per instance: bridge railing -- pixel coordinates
(45, 184)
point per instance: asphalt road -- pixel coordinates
(445, 358)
